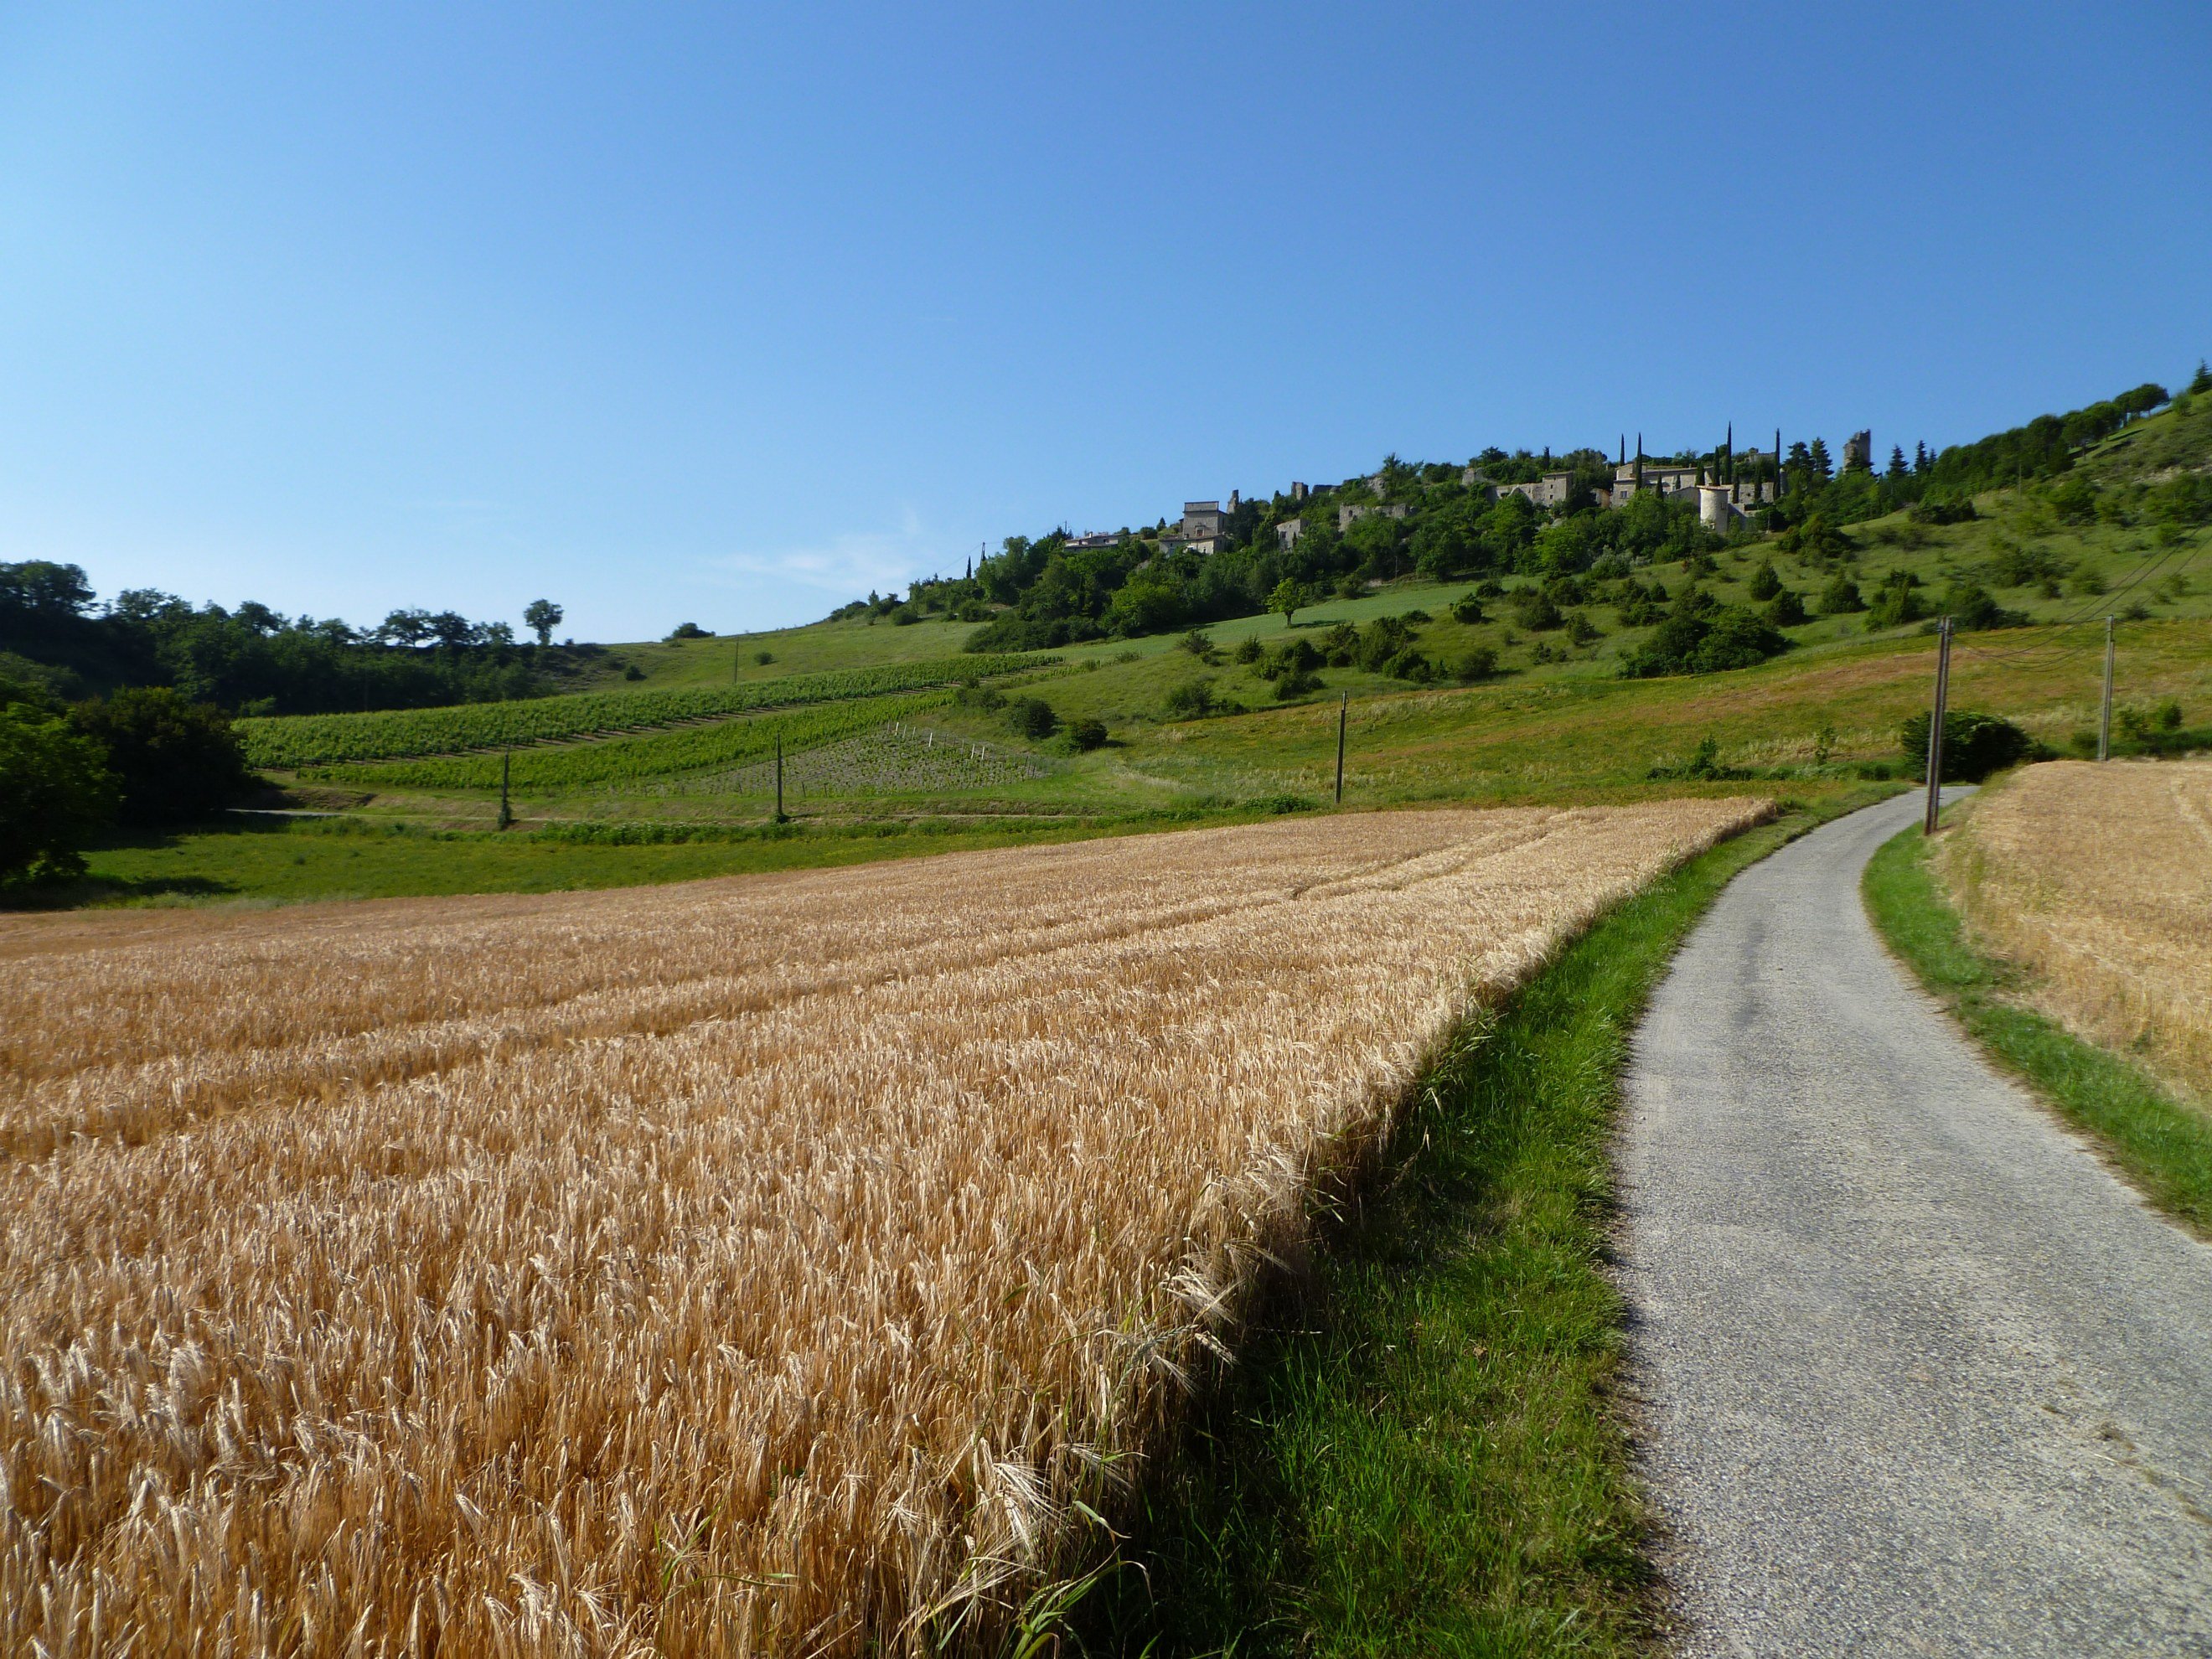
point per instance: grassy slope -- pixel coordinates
(1418, 1454)
(2163, 1147)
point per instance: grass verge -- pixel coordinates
(2159, 1144)
(1418, 1452)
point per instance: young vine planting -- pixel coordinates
(618, 762)
(299, 740)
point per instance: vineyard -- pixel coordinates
(617, 762)
(293, 741)
(893, 759)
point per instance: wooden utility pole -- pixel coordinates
(2104, 709)
(505, 758)
(1935, 725)
(1343, 709)
(778, 780)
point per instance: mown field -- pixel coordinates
(2097, 881)
(792, 1264)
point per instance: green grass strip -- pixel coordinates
(2161, 1144)
(1418, 1452)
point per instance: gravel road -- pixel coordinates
(1914, 1373)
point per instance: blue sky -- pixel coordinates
(729, 313)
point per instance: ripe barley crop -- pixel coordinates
(775, 1264)
(2098, 880)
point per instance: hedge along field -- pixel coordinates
(298, 740)
(621, 761)
(787, 1265)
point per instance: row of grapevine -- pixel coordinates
(628, 760)
(296, 740)
(893, 759)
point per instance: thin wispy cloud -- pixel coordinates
(847, 565)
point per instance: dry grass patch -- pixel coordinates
(768, 1265)
(2098, 879)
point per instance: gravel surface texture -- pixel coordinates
(1915, 1373)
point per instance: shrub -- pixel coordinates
(1295, 684)
(1032, 717)
(1582, 631)
(174, 759)
(1764, 584)
(1788, 609)
(1535, 610)
(1971, 609)
(690, 630)
(1705, 640)
(1841, 595)
(1479, 664)
(1937, 510)
(1409, 664)
(905, 616)
(1192, 700)
(763, 658)
(632, 671)
(1087, 735)
(1382, 639)
(1198, 643)
(1248, 650)
(1974, 745)
(1468, 609)
(1897, 601)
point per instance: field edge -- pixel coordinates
(1420, 1447)
(2156, 1143)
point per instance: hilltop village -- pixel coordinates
(1495, 514)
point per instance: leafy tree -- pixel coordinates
(1289, 598)
(1032, 717)
(541, 618)
(174, 759)
(1974, 745)
(55, 790)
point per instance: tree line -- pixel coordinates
(253, 660)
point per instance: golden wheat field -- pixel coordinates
(2098, 880)
(781, 1264)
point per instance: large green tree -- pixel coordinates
(175, 759)
(55, 791)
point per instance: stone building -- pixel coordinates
(1288, 531)
(1348, 516)
(1203, 528)
(1858, 452)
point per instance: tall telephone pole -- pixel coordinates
(2105, 710)
(1343, 709)
(1935, 725)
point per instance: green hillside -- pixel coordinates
(1502, 686)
